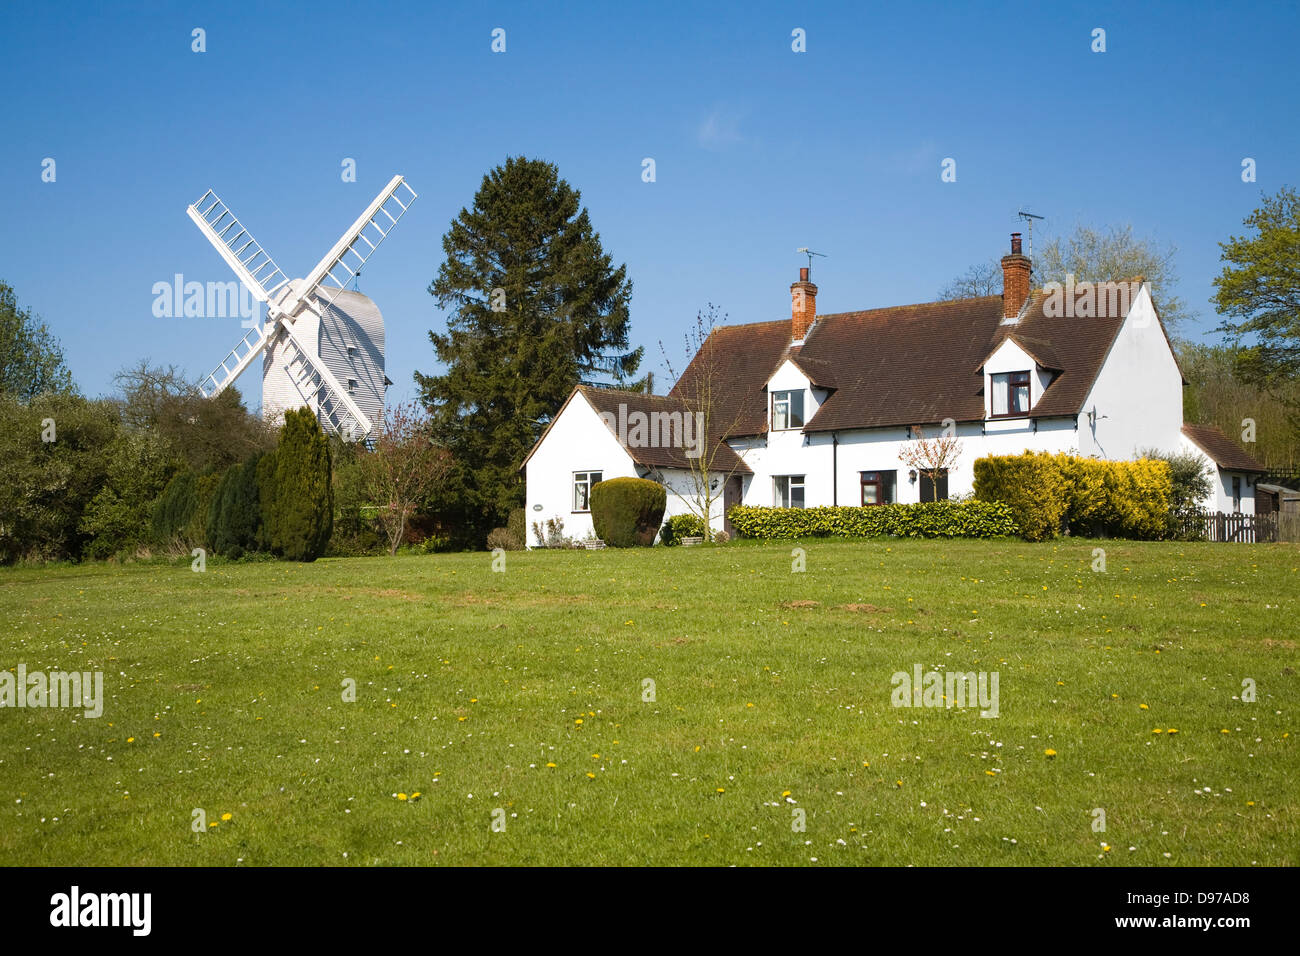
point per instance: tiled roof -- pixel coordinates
(1223, 451)
(905, 365)
(663, 456)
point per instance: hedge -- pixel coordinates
(626, 512)
(1051, 494)
(931, 519)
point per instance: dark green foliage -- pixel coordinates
(46, 487)
(681, 526)
(266, 501)
(234, 512)
(626, 512)
(213, 527)
(303, 502)
(562, 317)
(174, 507)
(932, 519)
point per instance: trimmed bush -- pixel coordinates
(681, 526)
(932, 519)
(626, 511)
(1051, 494)
(504, 539)
(302, 510)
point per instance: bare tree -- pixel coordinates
(976, 282)
(1090, 255)
(705, 399)
(931, 456)
(403, 469)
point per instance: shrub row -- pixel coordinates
(1053, 494)
(934, 519)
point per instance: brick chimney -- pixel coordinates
(803, 306)
(1015, 280)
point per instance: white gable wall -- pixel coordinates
(1138, 394)
(577, 441)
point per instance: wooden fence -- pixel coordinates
(1248, 529)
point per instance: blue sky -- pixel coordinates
(758, 149)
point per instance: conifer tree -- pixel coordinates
(537, 307)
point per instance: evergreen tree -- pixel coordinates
(174, 507)
(303, 509)
(214, 526)
(538, 307)
(266, 502)
(239, 516)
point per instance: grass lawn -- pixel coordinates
(523, 691)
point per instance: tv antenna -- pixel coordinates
(1029, 217)
(809, 253)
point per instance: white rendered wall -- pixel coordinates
(1138, 393)
(578, 441)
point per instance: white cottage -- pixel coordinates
(814, 410)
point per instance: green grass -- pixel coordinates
(472, 682)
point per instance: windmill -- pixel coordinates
(321, 345)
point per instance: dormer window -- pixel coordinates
(787, 410)
(1011, 393)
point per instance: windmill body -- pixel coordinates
(321, 345)
(348, 339)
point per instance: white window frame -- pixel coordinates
(582, 479)
(1001, 393)
(786, 500)
(786, 397)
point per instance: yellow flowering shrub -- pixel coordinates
(1054, 493)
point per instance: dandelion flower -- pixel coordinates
(1050, 752)
(227, 817)
(550, 765)
(1143, 707)
(401, 796)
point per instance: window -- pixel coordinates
(352, 386)
(787, 410)
(1236, 493)
(929, 492)
(789, 491)
(878, 487)
(1011, 393)
(582, 482)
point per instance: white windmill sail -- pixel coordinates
(312, 380)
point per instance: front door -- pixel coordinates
(730, 496)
